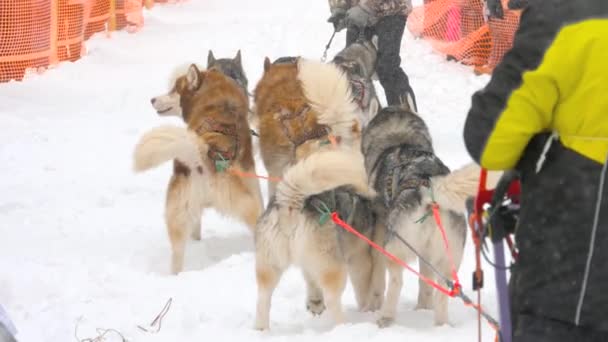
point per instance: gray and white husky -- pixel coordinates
(408, 177)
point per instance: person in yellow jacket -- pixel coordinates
(544, 113)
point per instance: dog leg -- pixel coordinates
(195, 233)
(440, 300)
(360, 269)
(314, 296)
(179, 219)
(251, 213)
(333, 282)
(247, 206)
(440, 307)
(177, 236)
(272, 187)
(267, 278)
(425, 291)
(389, 308)
(456, 231)
(378, 281)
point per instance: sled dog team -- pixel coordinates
(327, 145)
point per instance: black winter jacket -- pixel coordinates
(554, 80)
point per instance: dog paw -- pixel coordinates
(316, 306)
(260, 326)
(423, 306)
(374, 303)
(441, 322)
(196, 235)
(385, 322)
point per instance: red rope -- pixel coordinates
(437, 216)
(338, 221)
(455, 291)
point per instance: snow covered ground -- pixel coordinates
(83, 238)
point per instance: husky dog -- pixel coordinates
(299, 100)
(217, 136)
(358, 60)
(290, 232)
(231, 67)
(409, 178)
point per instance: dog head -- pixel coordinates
(184, 84)
(231, 67)
(285, 60)
(358, 59)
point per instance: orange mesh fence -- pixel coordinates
(97, 18)
(128, 14)
(25, 36)
(70, 30)
(458, 29)
(36, 34)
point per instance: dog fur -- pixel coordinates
(298, 100)
(289, 233)
(215, 111)
(358, 60)
(409, 177)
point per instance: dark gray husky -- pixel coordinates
(408, 178)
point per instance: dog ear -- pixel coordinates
(267, 64)
(210, 59)
(193, 77)
(237, 59)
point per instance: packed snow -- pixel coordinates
(82, 238)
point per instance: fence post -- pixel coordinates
(53, 55)
(112, 21)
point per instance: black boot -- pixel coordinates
(392, 77)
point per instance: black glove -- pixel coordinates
(495, 9)
(337, 19)
(359, 16)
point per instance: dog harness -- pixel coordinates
(395, 181)
(286, 117)
(347, 204)
(229, 130)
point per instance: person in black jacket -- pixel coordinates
(545, 114)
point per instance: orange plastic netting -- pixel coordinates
(36, 34)
(97, 17)
(458, 29)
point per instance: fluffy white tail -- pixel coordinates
(322, 171)
(165, 143)
(328, 92)
(451, 191)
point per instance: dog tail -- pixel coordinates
(328, 92)
(452, 190)
(165, 143)
(322, 171)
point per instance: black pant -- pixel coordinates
(393, 79)
(529, 328)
